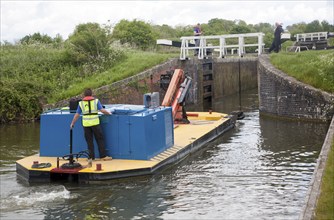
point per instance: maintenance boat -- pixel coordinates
(141, 139)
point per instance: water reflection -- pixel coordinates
(259, 170)
(17, 141)
(246, 176)
(140, 197)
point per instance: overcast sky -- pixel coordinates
(51, 17)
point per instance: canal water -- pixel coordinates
(261, 169)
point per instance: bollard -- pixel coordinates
(90, 163)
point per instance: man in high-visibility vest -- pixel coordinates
(89, 108)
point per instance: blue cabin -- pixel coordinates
(131, 132)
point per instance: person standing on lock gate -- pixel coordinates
(89, 107)
(197, 32)
(276, 45)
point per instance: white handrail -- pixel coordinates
(222, 47)
(311, 36)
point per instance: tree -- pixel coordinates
(58, 40)
(327, 26)
(184, 30)
(263, 27)
(164, 31)
(240, 29)
(268, 31)
(36, 38)
(297, 28)
(314, 26)
(90, 45)
(88, 42)
(136, 33)
(218, 26)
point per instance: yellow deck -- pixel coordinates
(184, 134)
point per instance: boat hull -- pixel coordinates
(188, 138)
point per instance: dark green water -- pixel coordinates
(259, 170)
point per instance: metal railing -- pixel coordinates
(296, 48)
(203, 48)
(311, 36)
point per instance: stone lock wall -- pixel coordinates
(213, 79)
(282, 95)
(131, 90)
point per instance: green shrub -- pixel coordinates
(20, 100)
(34, 75)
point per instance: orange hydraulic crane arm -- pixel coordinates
(175, 95)
(180, 97)
(173, 87)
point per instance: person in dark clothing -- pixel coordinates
(276, 45)
(197, 32)
(89, 108)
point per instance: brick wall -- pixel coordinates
(282, 95)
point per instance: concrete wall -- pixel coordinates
(282, 95)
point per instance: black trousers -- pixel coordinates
(275, 46)
(95, 131)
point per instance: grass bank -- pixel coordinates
(34, 75)
(315, 68)
(325, 206)
(136, 62)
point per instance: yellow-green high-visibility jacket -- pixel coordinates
(90, 112)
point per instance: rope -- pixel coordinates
(41, 165)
